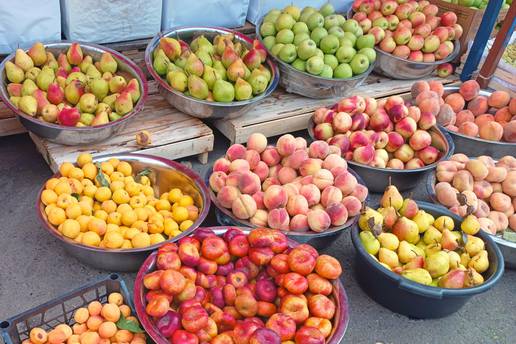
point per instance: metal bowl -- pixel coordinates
(202, 108)
(319, 240)
(78, 135)
(165, 174)
(475, 146)
(398, 68)
(340, 321)
(377, 178)
(508, 248)
(313, 86)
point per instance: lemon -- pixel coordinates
(180, 214)
(83, 159)
(125, 168)
(56, 216)
(48, 197)
(186, 200)
(174, 195)
(76, 173)
(65, 168)
(91, 239)
(89, 170)
(121, 196)
(73, 211)
(71, 228)
(102, 194)
(169, 226)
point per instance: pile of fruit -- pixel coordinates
(319, 42)
(289, 186)
(408, 29)
(73, 90)
(222, 70)
(107, 205)
(388, 133)
(490, 118)
(480, 4)
(480, 186)
(424, 249)
(509, 54)
(110, 322)
(241, 288)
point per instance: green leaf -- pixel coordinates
(143, 173)
(129, 325)
(101, 178)
(76, 195)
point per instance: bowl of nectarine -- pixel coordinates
(238, 294)
(480, 122)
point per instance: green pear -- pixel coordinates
(49, 113)
(76, 76)
(133, 88)
(108, 63)
(371, 244)
(87, 61)
(258, 82)
(123, 104)
(101, 119)
(437, 263)
(73, 91)
(454, 259)
(219, 67)
(117, 84)
(51, 61)
(172, 67)
(473, 278)
(38, 54)
(103, 107)
(181, 60)
(28, 87)
(236, 70)
(99, 87)
(205, 57)
(160, 63)
(28, 105)
(422, 220)
(432, 235)
(177, 80)
(113, 116)
(32, 73)
(45, 78)
(479, 262)
(88, 103)
(14, 73)
(408, 251)
(223, 91)
(369, 219)
(243, 90)
(474, 245)
(23, 60)
(202, 42)
(194, 65)
(418, 275)
(87, 118)
(432, 248)
(389, 241)
(210, 75)
(110, 100)
(197, 87)
(93, 72)
(15, 100)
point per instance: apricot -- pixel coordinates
(56, 336)
(81, 315)
(509, 131)
(499, 99)
(94, 322)
(478, 105)
(503, 116)
(491, 131)
(482, 119)
(463, 180)
(512, 106)
(456, 101)
(469, 129)
(38, 335)
(123, 336)
(107, 329)
(90, 338)
(464, 116)
(94, 308)
(469, 89)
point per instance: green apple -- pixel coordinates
(319, 53)
(314, 65)
(327, 9)
(359, 32)
(329, 44)
(271, 16)
(267, 29)
(284, 21)
(351, 25)
(299, 64)
(365, 41)
(359, 64)
(369, 52)
(351, 36)
(306, 49)
(277, 48)
(341, 19)
(300, 27)
(331, 21)
(286, 36)
(317, 34)
(269, 42)
(336, 31)
(345, 54)
(306, 13)
(331, 61)
(294, 11)
(345, 42)
(315, 20)
(288, 53)
(343, 71)
(327, 72)
(300, 37)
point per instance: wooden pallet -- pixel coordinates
(283, 112)
(174, 135)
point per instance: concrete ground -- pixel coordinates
(34, 268)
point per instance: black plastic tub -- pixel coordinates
(416, 300)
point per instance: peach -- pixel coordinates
(286, 175)
(496, 174)
(500, 202)
(512, 222)
(321, 306)
(319, 285)
(258, 198)
(420, 139)
(249, 183)
(309, 334)
(244, 330)
(358, 139)
(295, 283)
(341, 122)
(299, 223)
(487, 225)
(427, 120)
(428, 155)
(509, 131)
(328, 267)
(437, 87)
(483, 119)
(478, 105)
(359, 121)
(311, 193)
(260, 218)
(283, 325)
(275, 197)
(477, 168)
(500, 219)
(244, 207)
(346, 182)
(460, 160)
(334, 150)
(278, 219)
(323, 131)
(332, 161)
(507, 161)
(338, 214)
(463, 180)
(499, 99)
(414, 163)
(217, 180)
(252, 157)
(271, 156)
(227, 195)
(446, 115)
(318, 220)
(269, 182)
(261, 170)
(310, 167)
(239, 165)
(406, 127)
(322, 179)
(236, 151)
(469, 129)
(419, 87)
(482, 210)
(395, 140)
(292, 189)
(379, 121)
(257, 142)
(469, 89)
(319, 115)
(446, 195)
(416, 56)
(194, 318)
(428, 57)
(482, 189)
(414, 112)
(404, 153)
(297, 204)
(341, 141)
(401, 51)
(300, 143)
(456, 101)
(351, 105)
(295, 307)
(330, 195)
(503, 115)
(364, 154)
(318, 150)
(360, 192)
(297, 158)
(222, 165)
(512, 106)
(286, 145)
(371, 104)
(445, 171)
(353, 205)
(491, 131)
(464, 116)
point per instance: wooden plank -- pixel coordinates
(174, 135)
(10, 126)
(284, 112)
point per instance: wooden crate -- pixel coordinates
(284, 112)
(468, 18)
(9, 124)
(174, 135)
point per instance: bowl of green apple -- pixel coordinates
(319, 53)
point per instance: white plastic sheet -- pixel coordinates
(258, 8)
(23, 22)
(105, 21)
(225, 13)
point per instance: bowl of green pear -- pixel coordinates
(320, 54)
(211, 72)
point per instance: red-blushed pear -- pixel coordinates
(74, 54)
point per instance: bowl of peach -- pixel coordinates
(480, 122)
(387, 141)
(484, 188)
(231, 285)
(306, 191)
